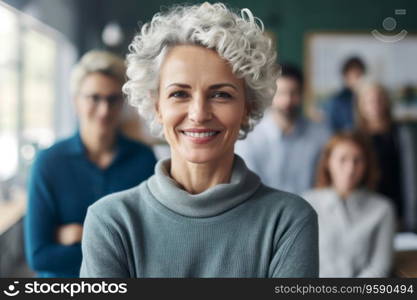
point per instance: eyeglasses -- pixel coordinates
(112, 100)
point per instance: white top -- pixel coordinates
(355, 234)
(284, 161)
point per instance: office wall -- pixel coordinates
(83, 21)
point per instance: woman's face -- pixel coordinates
(372, 104)
(99, 103)
(346, 166)
(201, 104)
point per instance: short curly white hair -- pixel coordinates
(238, 39)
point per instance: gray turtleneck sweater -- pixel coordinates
(238, 229)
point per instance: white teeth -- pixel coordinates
(199, 134)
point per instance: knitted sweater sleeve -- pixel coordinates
(298, 255)
(103, 254)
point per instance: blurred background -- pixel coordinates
(40, 40)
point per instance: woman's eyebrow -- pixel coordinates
(212, 87)
(220, 85)
(181, 85)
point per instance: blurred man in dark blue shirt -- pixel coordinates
(72, 174)
(340, 110)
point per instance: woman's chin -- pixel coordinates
(200, 159)
(201, 156)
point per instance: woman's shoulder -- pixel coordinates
(288, 213)
(117, 206)
(285, 203)
(319, 198)
(378, 201)
(317, 194)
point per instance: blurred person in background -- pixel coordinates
(356, 225)
(203, 75)
(72, 174)
(285, 147)
(374, 119)
(341, 108)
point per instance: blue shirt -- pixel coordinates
(340, 111)
(284, 161)
(63, 183)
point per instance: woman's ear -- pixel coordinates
(158, 113)
(155, 100)
(245, 118)
(245, 121)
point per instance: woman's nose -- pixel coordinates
(199, 110)
(350, 167)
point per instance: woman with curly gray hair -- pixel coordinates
(203, 76)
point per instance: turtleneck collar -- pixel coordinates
(213, 201)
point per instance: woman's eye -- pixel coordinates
(178, 94)
(223, 95)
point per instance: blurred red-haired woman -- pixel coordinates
(356, 225)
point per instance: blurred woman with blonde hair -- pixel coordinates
(374, 120)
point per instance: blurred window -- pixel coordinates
(31, 81)
(9, 64)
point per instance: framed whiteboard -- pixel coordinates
(392, 64)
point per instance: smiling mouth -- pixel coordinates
(200, 134)
(206, 134)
